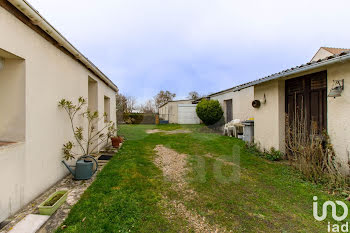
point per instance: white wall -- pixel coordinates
(338, 112)
(269, 119)
(50, 75)
(241, 103)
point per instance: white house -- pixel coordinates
(305, 87)
(38, 67)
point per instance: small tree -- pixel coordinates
(163, 97)
(89, 143)
(193, 95)
(209, 111)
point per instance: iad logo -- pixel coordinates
(334, 210)
(334, 227)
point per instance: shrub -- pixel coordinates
(133, 118)
(209, 111)
(272, 155)
(312, 153)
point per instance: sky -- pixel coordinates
(145, 46)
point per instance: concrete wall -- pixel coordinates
(29, 168)
(241, 103)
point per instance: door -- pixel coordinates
(228, 110)
(187, 114)
(308, 95)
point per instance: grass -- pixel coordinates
(259, 196)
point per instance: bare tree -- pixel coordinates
(148, 107)
(163, 97)
(193, 95)
(121, 103)
(130, 103)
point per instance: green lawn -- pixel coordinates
(128, 194)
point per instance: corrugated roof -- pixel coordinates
(300, 68)
(221, 92)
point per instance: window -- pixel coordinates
(12, 98)
(107, 108)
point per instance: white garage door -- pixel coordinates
(187, 114)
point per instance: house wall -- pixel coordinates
(339, 111)
(32, 166)
(241, 103)
(163, 112)
(269, 119)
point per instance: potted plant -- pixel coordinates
(115, 142)
(86, 143)
(53, 202)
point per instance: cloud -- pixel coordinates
(202, 45)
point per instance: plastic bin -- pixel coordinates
(248, 131)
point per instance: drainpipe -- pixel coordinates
(38, 20)
(2, 63)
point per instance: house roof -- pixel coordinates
(342, 56)
(298, 69)
(36, 20)
(173, 101)
(335, 50)
(221, 92)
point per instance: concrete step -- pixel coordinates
(30, 223)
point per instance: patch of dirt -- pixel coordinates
(177, 131)
(197, 222)
(174, 169)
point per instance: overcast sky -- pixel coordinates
(145, 46)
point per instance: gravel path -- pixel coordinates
(174, 170)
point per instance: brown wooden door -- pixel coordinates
(308, 95)
(228, 110)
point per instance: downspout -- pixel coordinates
(38, 20)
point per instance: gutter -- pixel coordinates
(327, 61)
(38, 20)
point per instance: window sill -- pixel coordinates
(8, 145)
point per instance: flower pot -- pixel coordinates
(51, 204)
(115, 142)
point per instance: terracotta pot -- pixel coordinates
(115, 142)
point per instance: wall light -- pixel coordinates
(2, 62)
(338, 87)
